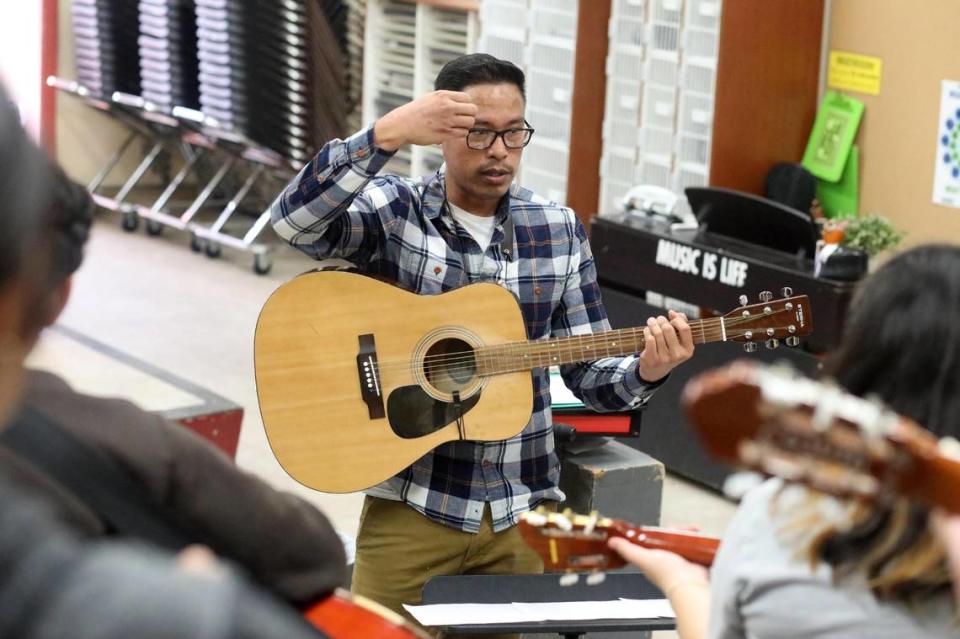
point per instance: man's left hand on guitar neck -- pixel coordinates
(667, 343)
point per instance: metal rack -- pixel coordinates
(661, 76)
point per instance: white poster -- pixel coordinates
(946, 173)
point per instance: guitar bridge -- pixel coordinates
(368, 372)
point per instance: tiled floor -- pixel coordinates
(156, 300)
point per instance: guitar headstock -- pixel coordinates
(570, 543)
(769, 321)
(772, 420)
(578, 543)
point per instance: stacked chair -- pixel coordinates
(231, 97)
(168, 53)
(356, 25)
(105, 39)
(273, 71)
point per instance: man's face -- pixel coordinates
(476, 179)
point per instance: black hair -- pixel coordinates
(902, 345)
(23, 193)
(902, 338)
(479, 68)
(68, 220)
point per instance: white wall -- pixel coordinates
(21, 23)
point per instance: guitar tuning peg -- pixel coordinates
(792, 341)
(596, 578)
(772, 343)
(750, 347)
(766, 296)
(743, 300)
(787, 291)
(569, 579)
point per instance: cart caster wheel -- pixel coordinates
(213, 250)
(154, 228)
(196, 244)
(262, 264)
(129, 222)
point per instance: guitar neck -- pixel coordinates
(698, 548)
(521, 356)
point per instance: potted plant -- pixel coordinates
(872, 234)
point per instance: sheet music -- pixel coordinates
(560, 395)
(523, 612)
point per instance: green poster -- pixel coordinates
(841, 199)
(832, 138)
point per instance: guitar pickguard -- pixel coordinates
(412, 413)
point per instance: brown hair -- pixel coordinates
(901, 344)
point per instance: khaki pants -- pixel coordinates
(398, 550)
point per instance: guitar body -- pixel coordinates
(343, 615)
(347, 390)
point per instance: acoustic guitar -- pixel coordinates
(357, 379)
(775, 421)
(578, 543)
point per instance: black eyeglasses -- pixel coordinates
(481, 139)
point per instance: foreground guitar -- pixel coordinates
(568, 542)
(358, 379)
(773, 420)
(343, 615)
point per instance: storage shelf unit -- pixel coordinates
(661, 78)
(540, 37)
(406, 45)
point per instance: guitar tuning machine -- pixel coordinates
(772, 343)
(750, 347)
(793, 341)
(596, 578)
(787, 291)
(569, 579)
(743, 300)
(766, 296)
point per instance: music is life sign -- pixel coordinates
(709, 266)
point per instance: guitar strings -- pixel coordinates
(516, 349)
(591, 339)
(467, 361)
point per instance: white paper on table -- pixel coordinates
(651, 608)
(582, 610)
(524, 612)
(461, 614)
(560, 395)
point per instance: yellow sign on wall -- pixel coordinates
(854, 72)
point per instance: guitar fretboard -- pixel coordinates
(520, 356)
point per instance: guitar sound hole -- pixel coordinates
(450, 365)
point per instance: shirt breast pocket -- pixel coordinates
(428, 274)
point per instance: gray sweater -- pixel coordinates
(53, 586)
(760, 590)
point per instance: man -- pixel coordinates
(51, 584)
(180, 489)
(453, 511)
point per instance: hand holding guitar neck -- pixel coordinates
(579, 543)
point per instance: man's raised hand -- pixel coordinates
(430, 119)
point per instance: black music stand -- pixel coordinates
(754, 219)
(542, 588)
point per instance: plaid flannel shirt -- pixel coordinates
(399, 228)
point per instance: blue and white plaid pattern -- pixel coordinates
(399, 228)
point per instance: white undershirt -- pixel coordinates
(480, 227)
